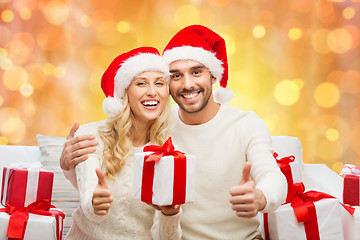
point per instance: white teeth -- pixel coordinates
(150, 103)
(188, 96)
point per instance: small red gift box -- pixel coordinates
(351, 190)
(21, 187)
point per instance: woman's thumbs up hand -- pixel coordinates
(102, 198)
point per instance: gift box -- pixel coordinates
(311, 215)
(163, 176)
(351, 190)
(20, 187)
(292, 171)
(283, 224)
(48, 227)
(351, 224)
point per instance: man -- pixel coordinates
(232, 147)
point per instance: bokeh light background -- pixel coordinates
(295, 63)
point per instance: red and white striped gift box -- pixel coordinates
(21, 187)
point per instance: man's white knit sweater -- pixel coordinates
(222, 146)
(128, 218)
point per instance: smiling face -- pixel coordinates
(148, 94)
(190, 85)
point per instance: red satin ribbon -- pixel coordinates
(351, 191)
(179, 187)
(19, 217)
(266, 226)
(284, 164)
(304, 209)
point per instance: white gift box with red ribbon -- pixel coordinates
(282, 223)
(163, 191)
(22, 186)
(164, 176)
(37, 227)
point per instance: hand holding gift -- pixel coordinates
(167, 210)
(245, 198)
(101, 197)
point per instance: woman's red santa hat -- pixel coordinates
(122, 71)
(203, 45)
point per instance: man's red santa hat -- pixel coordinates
(203, 45)
(123, 69)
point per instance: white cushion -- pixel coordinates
(64, 196)
(285, 146)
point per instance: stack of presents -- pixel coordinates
(320, 204)
(27, 212)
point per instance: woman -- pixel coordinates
(136, 86)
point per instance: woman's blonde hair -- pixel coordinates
(117, 136)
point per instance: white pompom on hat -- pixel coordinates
(123, 69)
(203, 45)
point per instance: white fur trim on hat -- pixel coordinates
(223, 95)
(136, 65)
(112, 106)
(207, 58)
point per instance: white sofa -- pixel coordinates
(315, 176)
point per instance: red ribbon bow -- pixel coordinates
(19, 217)
(350, 169)
(284, 164)
(165, 150)
(179, 189)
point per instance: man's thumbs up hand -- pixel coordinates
(246, 199)
(102, 198)
(246, 173)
